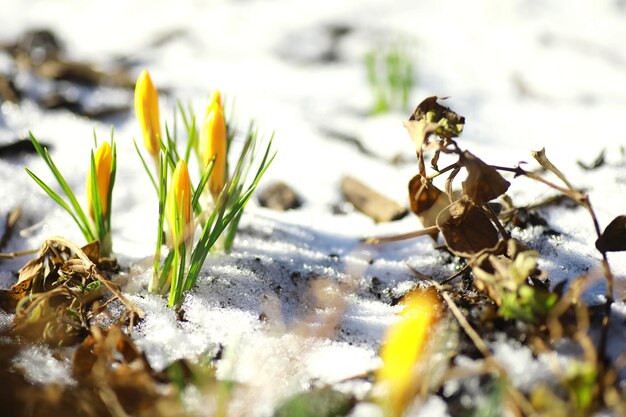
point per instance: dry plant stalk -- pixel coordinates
(472, 228)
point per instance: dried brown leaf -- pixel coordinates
(613, 239)
(466, 228)
(483, 182)
(427, 201)
(431, 117)
(109, 360)
(92, 250)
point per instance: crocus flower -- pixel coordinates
(178, 212)
(103, 161)
(147, 111)
(404, 347)
(213, 144)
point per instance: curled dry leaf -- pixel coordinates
(431, 117)
(483, 182)
(427, 201)
(613, 239)
(109, 362)
(542, 158)
(466, 228)
(55, 292)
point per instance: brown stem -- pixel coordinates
(556, 199)
(387, 239)
(443, 171)
(609, 284)
(456, 275)
(518, 171)
(11, 255)
(469, 330)
(494, 219)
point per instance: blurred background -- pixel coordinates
(333, 79)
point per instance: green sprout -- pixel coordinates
(390, 77)
(100, 182)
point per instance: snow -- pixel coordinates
(525, 74)
(41, 367)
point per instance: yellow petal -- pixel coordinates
(178, 210)
(404, 346)
(213, 144)
(147, 111)
(104, 161)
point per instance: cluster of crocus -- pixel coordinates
(406, 343)
(179, 201)
(180, 206)
(101, 177)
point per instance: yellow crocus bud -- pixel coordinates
(213, 144)
(103, 161)
(216, 97)
(147, 111)
(178, 211)
(404, 348)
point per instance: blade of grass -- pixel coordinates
(163, 173)
(190, 127)
(195, 201)
(214, 227)
(111, 182)
(165, 271)
(178, 279)
(57, 198)
(95, 198)
(43, 152)
(145, 167)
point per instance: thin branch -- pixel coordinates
(11, 255)
(388, 239)
(443, 171)
(494, 219)
(518, 171)
(469, 330)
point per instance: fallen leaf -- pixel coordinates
(466, 228)
(597, 163)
